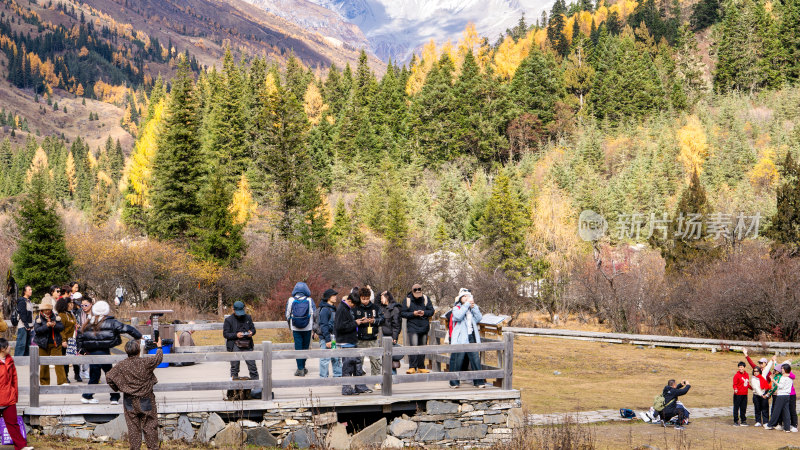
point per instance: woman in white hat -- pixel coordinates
(98, 336)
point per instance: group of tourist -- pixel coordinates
(357, 321)
(768, 380)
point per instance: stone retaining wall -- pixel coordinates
(442, 423)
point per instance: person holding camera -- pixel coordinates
(238, 330)
(464, 330)
(671, 393)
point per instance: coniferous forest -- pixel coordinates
(468, 165)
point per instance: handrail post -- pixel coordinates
(435, 364)
(33, 365)
(405, 338)
(266, 370)
(508, 360)
(386, 386)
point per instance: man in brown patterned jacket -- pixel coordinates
(134, 377)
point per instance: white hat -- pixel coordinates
(101, 308)
(463, 292)
(77, 296)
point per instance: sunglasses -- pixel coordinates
(85, 306)
(418, 290)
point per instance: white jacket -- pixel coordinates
(784, 386)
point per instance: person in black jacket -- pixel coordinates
(671, 393)
(392, 323)
(346, 330)
(97, 336)
(417, 310)
(238, 330)
(371, 317)
(327, 314)
(25, 324)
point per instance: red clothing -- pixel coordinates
(768, 376)
(10, 418)
(8, 382)
(740, 383)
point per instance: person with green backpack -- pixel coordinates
(667, 405)
(300, 315)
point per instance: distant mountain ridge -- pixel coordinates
(396, 28)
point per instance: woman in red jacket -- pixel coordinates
(8, 395)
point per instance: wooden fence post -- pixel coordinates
(435, 364)
(405, 337)
(266, 370)
(508, 360)
(33, 365)
(386, 386)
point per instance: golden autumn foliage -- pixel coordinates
(510, 55)
(419, 71)
(109, 93)
(242, 206)
(764, 175)
(552, 234)
(313, 104)
(39, 164)
(694, 148)
(69, 171)
(139, 171)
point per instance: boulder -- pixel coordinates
(261, 437)
(434, 407)
(184, 429)
(213, 425)
(326, 418)
(372, 435)
(115, 429)
(302, 438)
(427, 431)
(232, 436)
(337, 438)
(468, 432)
(403, 428)
(392, 442)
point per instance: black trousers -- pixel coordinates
(780, 410)
(415, 340)
(792, 413)
(740, 407)
(761, 407)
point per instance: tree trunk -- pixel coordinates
(219, 301)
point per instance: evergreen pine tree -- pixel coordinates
(41, 258)
(784, 227)
(217, 238)
(537, 86)
(433, 114)
(313, 229)
(503, 226)
(178, 164)
(396, 226)
(790, 38)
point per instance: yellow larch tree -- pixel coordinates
(313, 104)
(419, 71)
(38, 164)
(242, 205)
(694, 148)
(69, 171)
(139, 171)
(510, 55)
(764, 174)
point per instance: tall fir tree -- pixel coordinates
(41, 258)
(177, 170)
(784, 226)
(217, 237)
(503, 226)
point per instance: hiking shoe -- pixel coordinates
(779, 427)
(679, 427)
(481, 386)
(423, 371)
(298, 373)
(89, 400)
(411, 371)
(758, 424)
(793, 429)
(767, 427)
(305, 372)
(744, 424)
(365, 390)
(349, 392)
(455, 386)
(115, 402)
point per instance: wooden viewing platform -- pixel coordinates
(201, 387)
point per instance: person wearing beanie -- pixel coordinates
(97, 336)
(238, 330)
(464, 330)
(47, 328)
(327, 317)
(741, 381)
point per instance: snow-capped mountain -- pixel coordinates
(396, 28)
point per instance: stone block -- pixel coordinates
(261, 437)
(326, 418)
(392, 442)
(114, 429)
(470, 432)
(434, 407)
(232, 436)
(481, 406)
(403, 428)
(48, 421)
(210, 427)
(301, 438)
(466, 407)
(337, 438)
(494, 419)
(370, 436)
(427, 431)
(184, 429)
(451, 423)
(516, 418)
(247, 424)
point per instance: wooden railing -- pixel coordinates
(267, 352)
